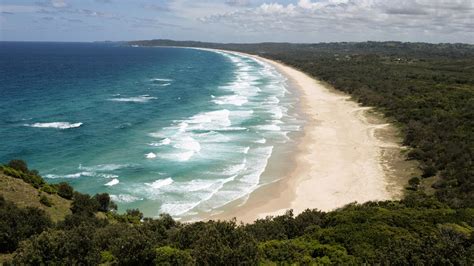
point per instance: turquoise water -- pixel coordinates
(161, 129)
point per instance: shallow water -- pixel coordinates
(161, 129)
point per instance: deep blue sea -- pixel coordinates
(174, 130)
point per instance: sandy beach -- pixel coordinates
(347, 154)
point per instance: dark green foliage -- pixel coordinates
(65, 190)
(414, 183)
(21, 171)
(304, 251)
(220, 243)
(84, 204)
(106, 257)
(50, 189)
(17, 224)
(132, 246)
(19, 165)
(171, 256)
(104, 202)
(69, 247)
(418, 230)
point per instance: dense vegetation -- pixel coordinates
(419, 229)
(427, 89)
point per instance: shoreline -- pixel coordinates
(347, 154)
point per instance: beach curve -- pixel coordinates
(339, 160)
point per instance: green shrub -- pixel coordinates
(17, 224)
(106, 257)
(65, 190)
(18, 165)
(50, 189)
(104, 202)
(84, 204)
(171, 256)
(45, 201)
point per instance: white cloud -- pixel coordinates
(58, 3)
(350, 17)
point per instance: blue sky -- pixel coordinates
(238, 20)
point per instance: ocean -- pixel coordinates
(175, 130)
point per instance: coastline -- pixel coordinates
(347, 153)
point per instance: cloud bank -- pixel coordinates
(350, 17)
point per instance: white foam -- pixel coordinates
(76, 175)
(188, 143)
(150, 155)
(165, 141)
(261, 141)
(114, 182)
(103, 167)
(207, 188)
(236, 100)
(249, 180)
(210, 120)
(269, 127)
(235, 169)
(138, 99)
(108, 176)
(180, 156)
(160, 183)
(124, 198)
(161, 79)
(59, 125)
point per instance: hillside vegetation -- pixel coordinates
(416, 230)
(25, 195)
(426, 89)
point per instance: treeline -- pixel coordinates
(427, 89)
(417, 230)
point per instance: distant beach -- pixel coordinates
(347, 154)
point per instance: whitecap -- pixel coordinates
(138, 99)
(160, 183)
(76, 175)
(165, 141)
(180, 156)
(236, 100)
(150, 155)
(188, 143)
(108, 176)
(59, 125)
(161, 79)
(114, 182)
(124, 198)
(103, 167)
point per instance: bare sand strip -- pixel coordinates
(346, 155)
